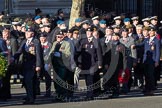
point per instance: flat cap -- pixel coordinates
(146, 28)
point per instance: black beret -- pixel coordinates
(124, 30)
(44, 34)
(60, 33)
(90, 29)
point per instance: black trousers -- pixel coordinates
(89, 83)
(30, 83)
(97, 79)
(149, 72)
(70, 83)
(5, 90)
(157, 73)
(48, 82)
(138, 74)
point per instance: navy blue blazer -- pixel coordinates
(31, 59)
(151, 50)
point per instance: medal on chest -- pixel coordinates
(152, 47)
(91, 46)
(62, 48)
(85, 46)
(32, 49)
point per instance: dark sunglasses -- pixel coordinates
(59, 36)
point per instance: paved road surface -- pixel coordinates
(134, 99)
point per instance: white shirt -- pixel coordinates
(151, 39)
(29, 41)
(44, 43)
(108, 38)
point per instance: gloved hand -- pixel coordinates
(57, 54)
(76, 76)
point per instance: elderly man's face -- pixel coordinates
(5, 34)
(43, 39)
(109, 32)
(29, 34)
(89, 34)
(59, 38)
(124, 34)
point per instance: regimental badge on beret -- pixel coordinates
(29, 29)
(109, 27)
(90, 29)
(60, 33)
(94, 29)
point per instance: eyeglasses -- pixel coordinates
(59, 36)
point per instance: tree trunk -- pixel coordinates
(77, 10)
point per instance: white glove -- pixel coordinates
(57, 54)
